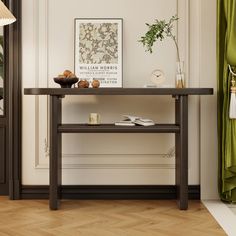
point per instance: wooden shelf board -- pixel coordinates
(111, 128)
(117, 91)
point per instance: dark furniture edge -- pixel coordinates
(111, 128)
(161, 192)
(118, 91)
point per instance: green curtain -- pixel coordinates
(226, 54)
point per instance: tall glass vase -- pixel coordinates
(180, 76)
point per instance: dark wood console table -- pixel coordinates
(180, 128)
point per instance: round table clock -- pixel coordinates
(157, 77)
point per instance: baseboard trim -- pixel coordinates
(109, 192)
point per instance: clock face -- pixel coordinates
(158, 77)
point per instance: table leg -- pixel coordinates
(181, 147)
(55, 153)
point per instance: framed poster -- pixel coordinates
(98, 50)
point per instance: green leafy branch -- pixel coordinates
(158, 31)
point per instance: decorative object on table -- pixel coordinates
(144, 122)
(130, 120)
(83, 84)
(67, 74)
(157, 77)
(98, 50)
(180, 77)
(232, 106)
(94, 119)
(124, 123)
(158, 31)
(150, 86)
(67, 79)
(66, 82)
(95, 83)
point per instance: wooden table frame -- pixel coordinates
(180, 129)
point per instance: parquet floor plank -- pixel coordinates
(105, 218)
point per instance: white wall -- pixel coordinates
(97, 158)
(1, 79)
(208, 111)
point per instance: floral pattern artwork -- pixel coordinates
(98, 43)
(98, 50)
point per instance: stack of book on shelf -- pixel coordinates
(134, 120)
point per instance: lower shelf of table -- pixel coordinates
(111, 128)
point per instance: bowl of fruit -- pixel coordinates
(67, 79)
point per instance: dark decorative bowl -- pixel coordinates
(66, 82)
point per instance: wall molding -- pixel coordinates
(110, 192)
(114, 157)
(41, 16)
(112, 166)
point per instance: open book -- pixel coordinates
(134, 120)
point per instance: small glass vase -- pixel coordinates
(180, 76)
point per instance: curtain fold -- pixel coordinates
(226, 54)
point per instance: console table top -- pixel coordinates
(117, 91)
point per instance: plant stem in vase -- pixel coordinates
(157, 32)
(180, 80)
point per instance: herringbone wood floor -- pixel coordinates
(105, 218)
